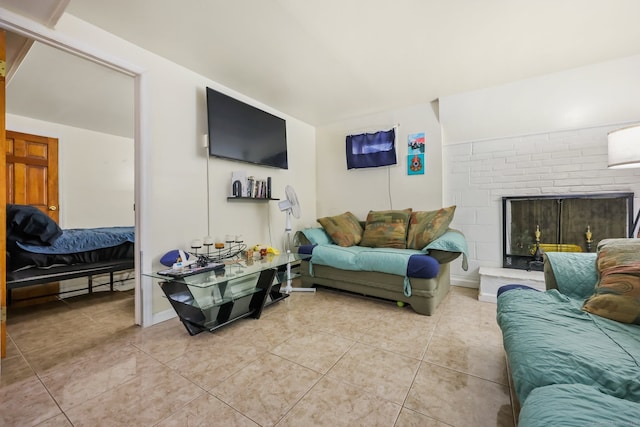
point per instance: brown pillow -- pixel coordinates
(344, 229)
(386, 229)
(617, 295)
(427, 226)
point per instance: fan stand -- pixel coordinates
(288, 289)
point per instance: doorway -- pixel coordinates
(94, 124)
(25, 28)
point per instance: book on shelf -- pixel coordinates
(250, 186)
(256, 188)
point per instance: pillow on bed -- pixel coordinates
(386, 229)
(617, 295)
(27, 224)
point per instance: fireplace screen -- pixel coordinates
(574, 223)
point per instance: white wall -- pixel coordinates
(95, 172)
(541, 136)
(361, 190)
(595, 95)
(180, 208)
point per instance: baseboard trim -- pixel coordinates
(491, 279)
(464, 282)
(163, 316)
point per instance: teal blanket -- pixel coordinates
(451, 241)
(361, 258)
(550, 340)
(576, 405)
(575, 273)
(384, 260)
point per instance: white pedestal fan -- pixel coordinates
(290, 206)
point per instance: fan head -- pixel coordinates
(293, 201)
(291, 204)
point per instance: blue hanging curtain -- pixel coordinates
(370, 150)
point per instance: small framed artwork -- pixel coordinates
(415, 164)
(416, 153)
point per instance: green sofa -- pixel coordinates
(568, 367)
(378, 274)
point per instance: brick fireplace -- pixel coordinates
(478, 174)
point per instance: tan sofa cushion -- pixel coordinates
(344, 229)
(617, 295)
(427, 226)
(386, 229)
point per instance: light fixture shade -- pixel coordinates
(624, 147)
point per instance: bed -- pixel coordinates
(40, 252)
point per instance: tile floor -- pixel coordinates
(323, 359)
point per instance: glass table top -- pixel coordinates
(233, 269)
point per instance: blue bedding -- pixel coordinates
(76, 240)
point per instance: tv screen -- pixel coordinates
(239, 131)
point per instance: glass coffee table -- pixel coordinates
(242, 288)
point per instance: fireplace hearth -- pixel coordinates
(532, 225)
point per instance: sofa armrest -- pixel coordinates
(444, 257)
(312, 236)
(573, 274)
(299, 239)
(448, 247)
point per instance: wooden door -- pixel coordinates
(3, 208)
(32, 171)
(32, 179)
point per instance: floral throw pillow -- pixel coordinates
(617, 294)
(427, 226)
(344, 229)
(386, 229)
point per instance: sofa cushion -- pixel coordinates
(344, 229)
(549, 339)
(617, 294)
(386, 229)
(426, 226)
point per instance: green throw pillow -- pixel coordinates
(427, 226)
(386, 229)
(617, 295)
(345, 229)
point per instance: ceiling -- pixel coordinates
(323, 61)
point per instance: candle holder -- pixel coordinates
(232, 247)
(536, 262)
(216, 251)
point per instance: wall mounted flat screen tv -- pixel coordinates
(239, 131)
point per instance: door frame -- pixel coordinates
(142, 139)
(3, 195)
